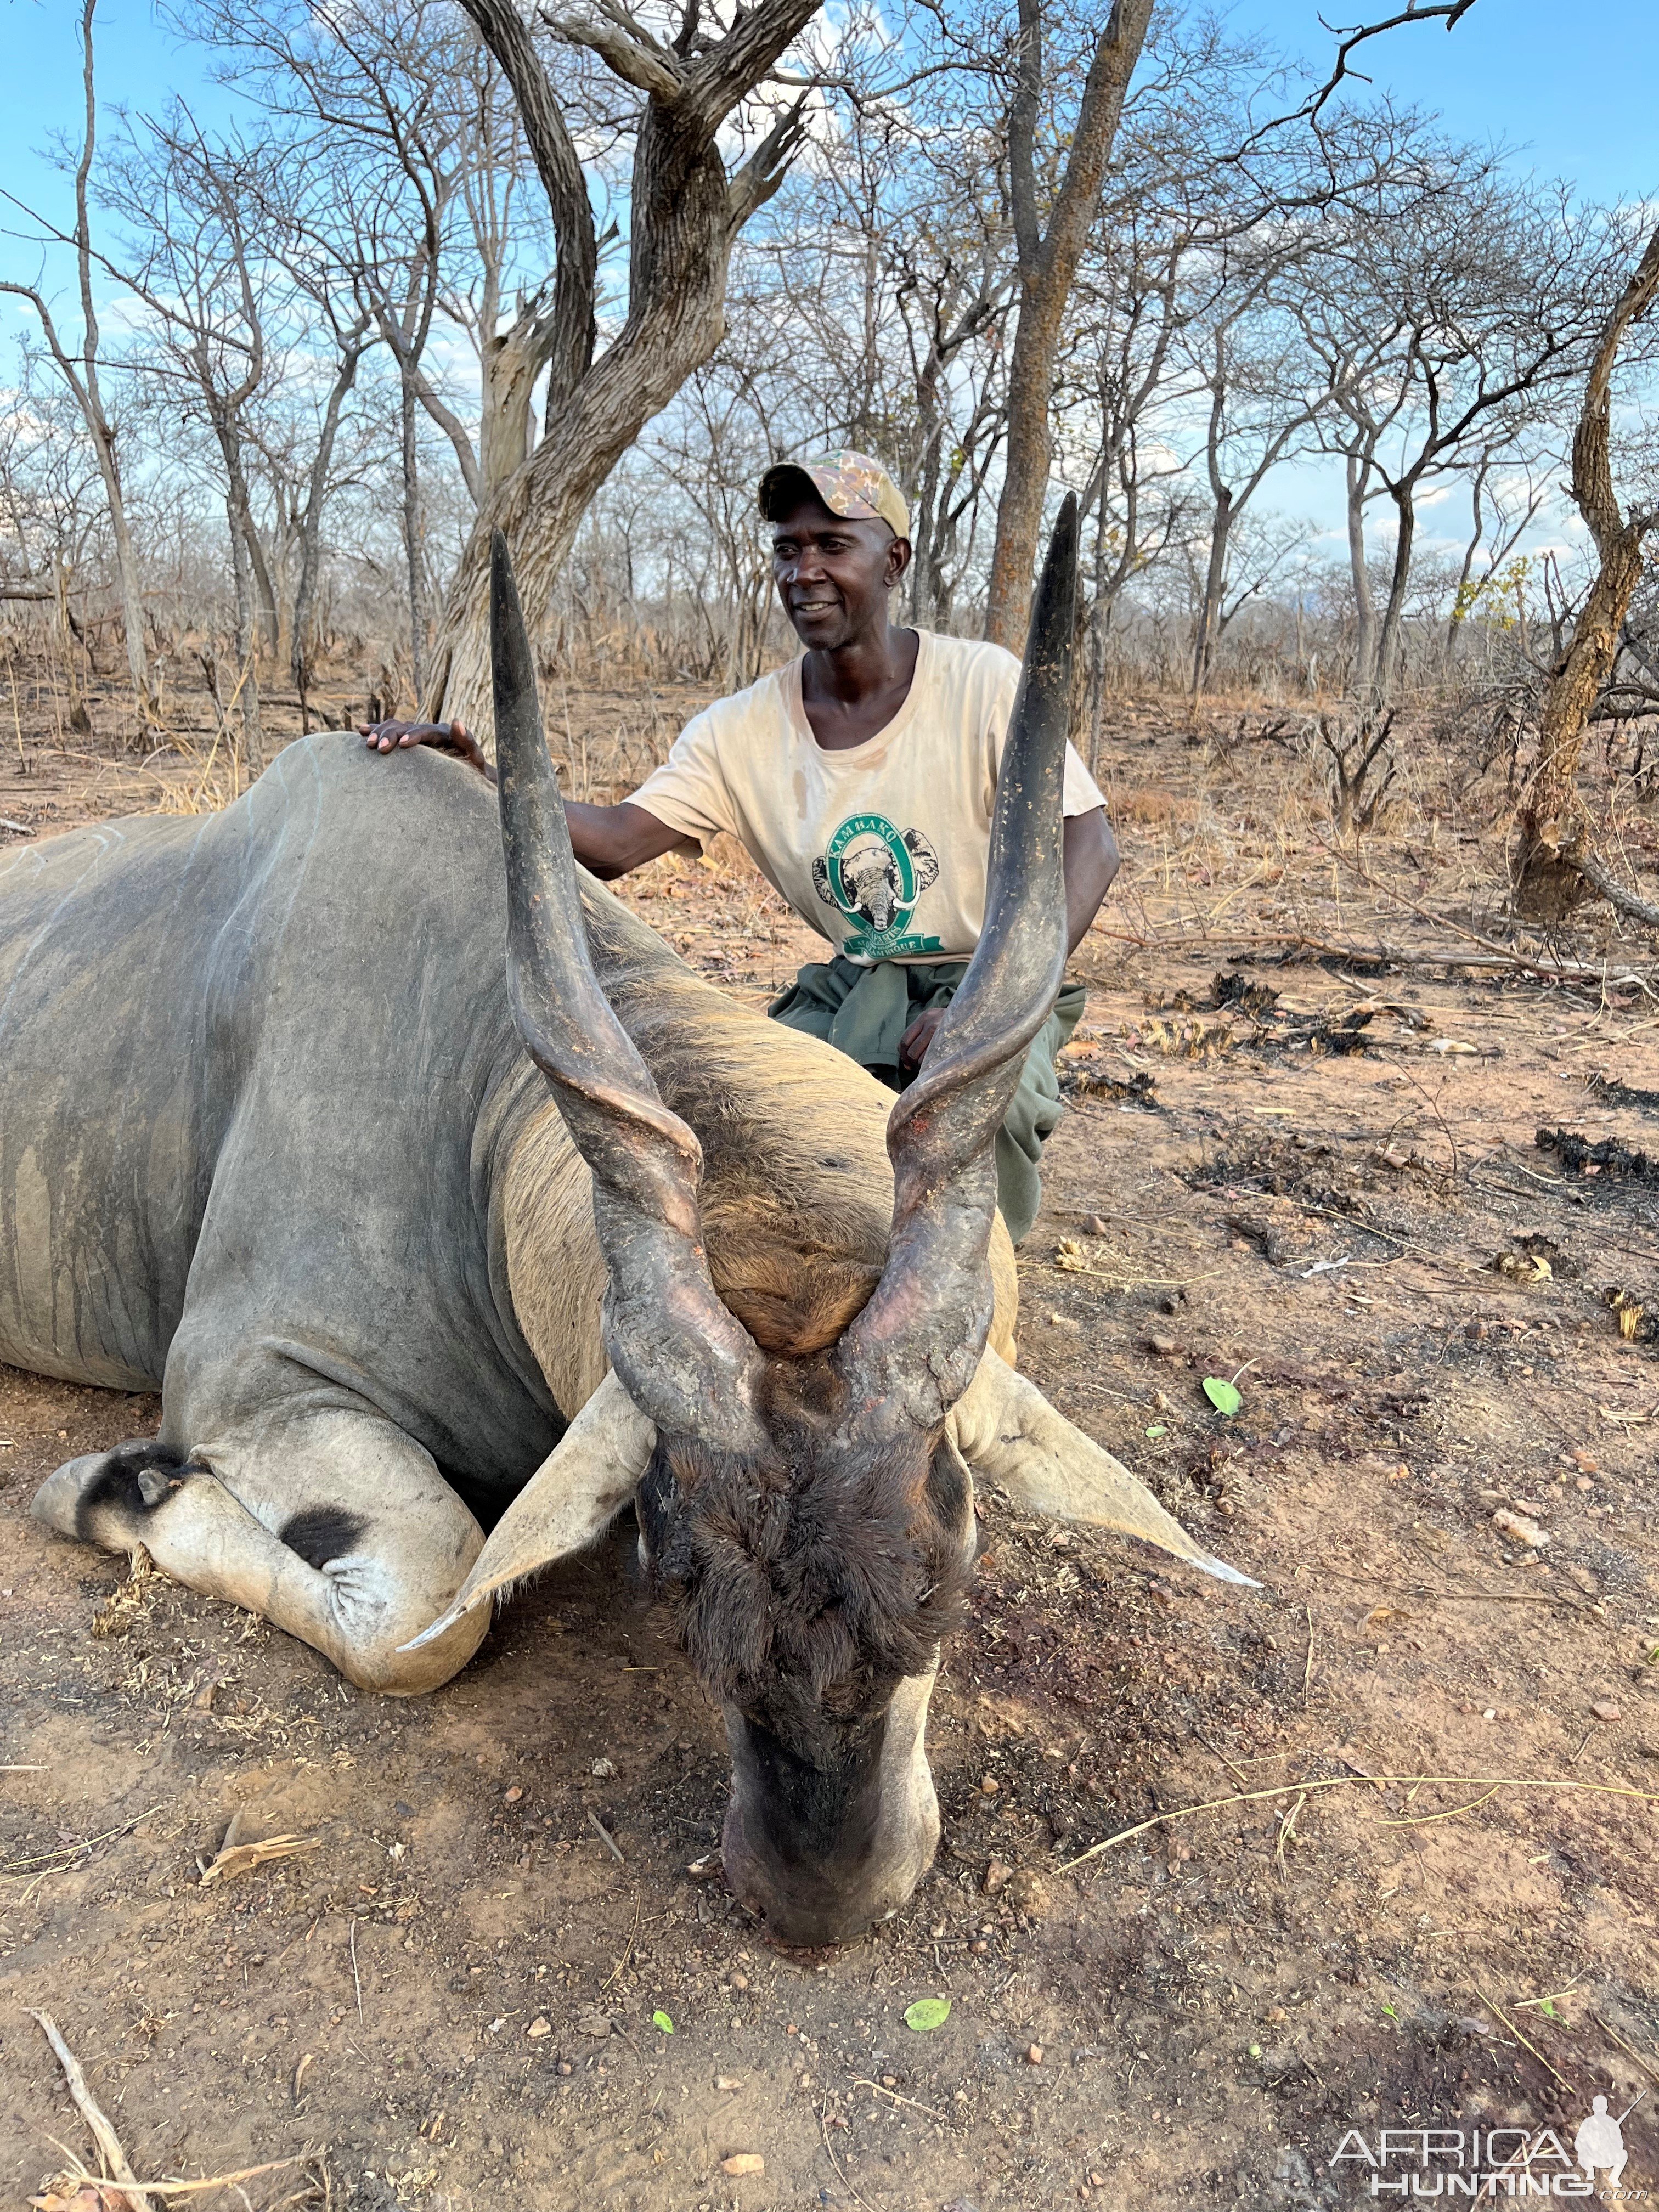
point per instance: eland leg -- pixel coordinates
(333, 1525)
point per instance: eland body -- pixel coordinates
(430, 1195)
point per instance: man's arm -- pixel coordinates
(1090, 855)
(608, 841)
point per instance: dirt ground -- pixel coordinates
(1440, 1328)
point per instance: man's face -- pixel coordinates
(833, 576)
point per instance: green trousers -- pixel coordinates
(864, 1012)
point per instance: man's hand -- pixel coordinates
(444, 737)
(913, 1045)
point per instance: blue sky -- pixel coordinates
(1574, 88)
(1571, 92)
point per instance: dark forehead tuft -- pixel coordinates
(806, 1587)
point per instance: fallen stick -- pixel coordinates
(1388, 955)
(1621, 900)
(178, 2188)
(606, 1838)
(1354, 1781)
(1624, 901)
(108, 2143)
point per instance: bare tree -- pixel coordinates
(686, 210)
(1047, 258)
(1550, 879)
(209, 287)
(78, 366)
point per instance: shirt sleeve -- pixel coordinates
(689, 793)
(1081, 794)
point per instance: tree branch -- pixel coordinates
(631, 54)
(729, 71)
(1351, 35)
(1592, 468)
(1617, 896)
(755, 183)
(501, 28)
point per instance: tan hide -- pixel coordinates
(567, 1505)
(1008, 1432)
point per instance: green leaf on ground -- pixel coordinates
(927, 2013)
(1158, 1429)
(662, 2020)
(1223, 1395)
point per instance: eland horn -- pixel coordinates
(685, 1360)
(915, 1348)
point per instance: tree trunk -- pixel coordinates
(685, 213)
(126, 569)
(512, 363)
(414, 559)
(80, 375)
(1546, 885)
(1047, 266)
(300, 641)
(270, 621)
(1388, 649)
(247, 647)
(1215, 578)
(253, 583)
(1364, 642)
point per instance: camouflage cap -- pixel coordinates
(850, 485)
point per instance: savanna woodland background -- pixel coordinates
(1350, 1244)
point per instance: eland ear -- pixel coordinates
(567, 1505)
(1008, 1432)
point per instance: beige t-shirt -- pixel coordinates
(883, 847)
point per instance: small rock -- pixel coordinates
(1476, 1328)
(740, 1980)
(728, 2082)
(1519, 1528)
(1162, 1348)
(705, 1869)
(1034, 2054)
(989, 1785)
(743, 2163)
(997, 1876)
(565, 2066)
(979, 1947)
(537, 2028)
(513, 1796)
(1028, 1892)
(1605, 1710)
(589, 2020)
(602, 1769)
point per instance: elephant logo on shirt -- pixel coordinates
(875, 873)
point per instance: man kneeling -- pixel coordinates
(859, 778)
